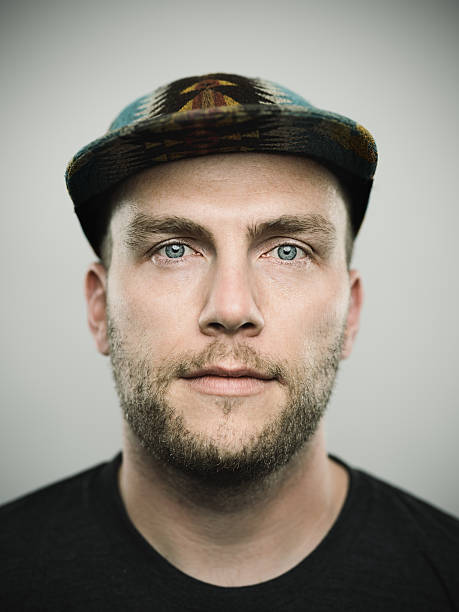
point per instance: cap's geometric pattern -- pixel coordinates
(207, 93)
(216, 113)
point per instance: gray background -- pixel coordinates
(67, 68)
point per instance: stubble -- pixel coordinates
(164, 437)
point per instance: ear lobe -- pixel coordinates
(353, 315)
(96, 300)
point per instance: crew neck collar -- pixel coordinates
(331, 550)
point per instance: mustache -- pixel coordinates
(182, 364)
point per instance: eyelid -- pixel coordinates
(309, 251)
(153, 250)
(297, 260)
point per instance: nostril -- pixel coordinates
(228, 327)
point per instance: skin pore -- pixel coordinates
(239, 261)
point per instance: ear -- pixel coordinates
(96, 300)
(353, 315)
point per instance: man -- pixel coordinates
(223, 210)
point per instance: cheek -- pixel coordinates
(309, 315)
(152, 314)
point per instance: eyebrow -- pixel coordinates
(143, 227)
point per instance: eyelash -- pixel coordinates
(174, 260)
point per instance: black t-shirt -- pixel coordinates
(71, 547)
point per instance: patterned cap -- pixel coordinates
(217, 113)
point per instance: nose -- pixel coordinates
(230, 306)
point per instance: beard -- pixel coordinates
(164, 437)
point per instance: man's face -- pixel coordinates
(201, 277)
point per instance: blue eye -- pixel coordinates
(284, 252)
(174, 250)
(288, 252)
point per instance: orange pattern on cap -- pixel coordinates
(206, 96)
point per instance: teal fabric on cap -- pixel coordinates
(217, 113)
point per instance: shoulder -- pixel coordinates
(52, 492)
(49, 534)
(409, 513)
(24, 520)
(406, 541)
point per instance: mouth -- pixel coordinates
(228, 381)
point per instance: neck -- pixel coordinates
(234, 536)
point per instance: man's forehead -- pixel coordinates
(224, 186)
(234, 170)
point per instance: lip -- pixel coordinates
(228, 385)
(235, 372)
(219, 380)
